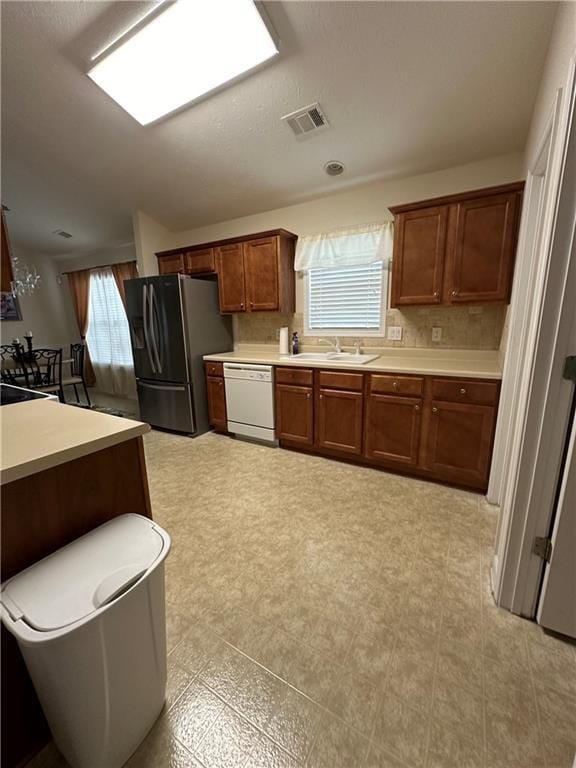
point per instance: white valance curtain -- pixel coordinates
(350, 247)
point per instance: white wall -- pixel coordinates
(48, 312)
(100, 258)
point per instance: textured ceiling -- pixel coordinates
(407, 87)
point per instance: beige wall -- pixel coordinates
(48, 312)
(461, 328)
(561, 48)
(149, 237)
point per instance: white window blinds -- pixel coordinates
(108, 334)
(348, 300)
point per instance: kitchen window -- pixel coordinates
(349, 301)
(346, 280)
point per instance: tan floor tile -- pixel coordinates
(161, 748)
(370, 656)
(557, 711)
(379, 758)
(411, 680)
(559, 751)
(337, 746)
(293, 725)
(355, 699)
(460, 664)
(267, 754)
(177, 625)
(258, 695)
(224, 671)
(193, 714)
(314, 674)
(331, 637)
(279, 653)
(450, 747)
(457, 707)
(417, 643)
(509, 689)
(557, 668)
(228, 742)
(402, 730)
(512, 741)
(178, 679)
(193, 653)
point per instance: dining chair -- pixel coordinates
(77, 352)
(11, 370)
(43, 368)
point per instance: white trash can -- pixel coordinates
(90, 622)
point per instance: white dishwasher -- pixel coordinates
(250, 400)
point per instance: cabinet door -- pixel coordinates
(170, 265)
(200, 262)
(459, 445)
(340, 421)
(216, 402)
(261, 270)
(231, 286)
(392, 428)
(419, 251)
(294, 414)
(484, 249)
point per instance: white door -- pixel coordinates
(557, 604)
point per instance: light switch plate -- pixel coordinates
(436, 333)
(394, 332)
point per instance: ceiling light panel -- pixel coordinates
(190, 49)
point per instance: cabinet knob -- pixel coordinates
(242, 304)
(416, 407)
(454, 293)
(436, 293)
(308, 395)
(395, 384)
(434, 410)
(321, 397)
(219, 383)
(251, 303)
(462, 391)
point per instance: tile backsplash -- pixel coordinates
(462, 328)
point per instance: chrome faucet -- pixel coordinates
(335, 344)
(358, 346)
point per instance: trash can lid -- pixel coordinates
(86, 574)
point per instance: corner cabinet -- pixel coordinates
(456, 250)
(255, 273)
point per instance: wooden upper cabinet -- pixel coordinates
(295, 414)
(484, 247)
(200, 261)
(418, 264)
(339, 420)
(458, 249)
(261, 274)
(392, 429)
(459, 444)
(171, 264)
(231, 284)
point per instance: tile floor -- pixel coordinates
(332, 616)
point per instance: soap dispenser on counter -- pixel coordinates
(295, 343)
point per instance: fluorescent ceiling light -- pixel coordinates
(190, 49)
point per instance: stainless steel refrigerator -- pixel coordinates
(174, 321)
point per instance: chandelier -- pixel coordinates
(25, 280)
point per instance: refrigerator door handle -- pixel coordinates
(164, 387)
(153, 323)
(146, 329)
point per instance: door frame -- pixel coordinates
(532, 429)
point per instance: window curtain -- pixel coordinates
(349, 247)
(79, 284)
(108, 336)
(121, 272)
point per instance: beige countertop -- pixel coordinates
(477, 364)
(42, 434)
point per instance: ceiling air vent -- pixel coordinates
(62, 233)
(307, 119)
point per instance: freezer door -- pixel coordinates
(167, 406)
(154, 309)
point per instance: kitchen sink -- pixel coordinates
(350, 358)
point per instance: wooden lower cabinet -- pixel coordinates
(459, 444)
(216, 394)
(392, 429)
(295, 414)
(339, 421)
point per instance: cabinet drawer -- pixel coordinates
(466, 391)
(340, 380)
(200, 261)
(214, 369)
(396, 385)
(294, 376)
